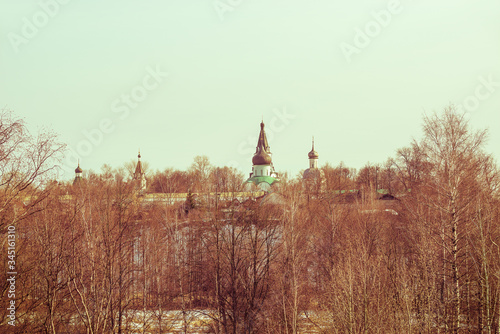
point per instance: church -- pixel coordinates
(263, 174)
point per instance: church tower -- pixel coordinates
(78, 174)
(313, 177)
(139, 175)
(313, 157)
(262, 164)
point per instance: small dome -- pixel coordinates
(78, 169)
(313, 173)
(313, 154)
(261, 158)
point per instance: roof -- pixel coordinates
(138, 167)
(313, 154)
(261, 158)
(312, 173)
(224, 195)
(263, 139)
(262, 152)
(273, 198)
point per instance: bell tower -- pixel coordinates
(139, 175)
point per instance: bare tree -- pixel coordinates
(26, 165)
(451, 157)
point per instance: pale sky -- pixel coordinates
(181, 78)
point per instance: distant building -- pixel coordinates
(313, 178)
(263, 173)
(78, 174)
(139, 175)
(263, 176)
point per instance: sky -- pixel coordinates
(179, 78)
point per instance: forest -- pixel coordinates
(410, 245)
